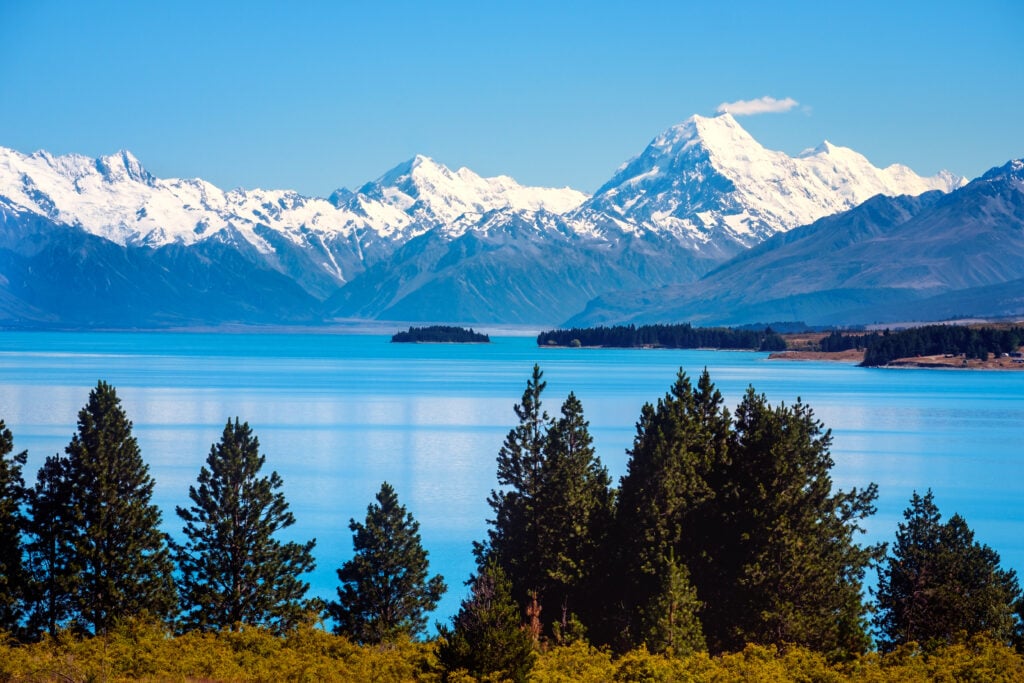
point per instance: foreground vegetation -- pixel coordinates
(724, 552)
(141, 650)
(682, 336)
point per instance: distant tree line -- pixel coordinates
(440, 333)
(683, 336)
(784, 326)
(882, 348)
(838, 341)
(725, 533)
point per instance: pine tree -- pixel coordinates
(385, 591)
(575, 504)
(552, 514)
(486, 637)
(13, 496)
(233, 570)
(120, 555)
(515, 530)
(939, 584)
(710, 431)
(789, 568)
(49, 550)
(665, 497)
(671, 615)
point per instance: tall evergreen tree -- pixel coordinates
(939, 584)
(232, 568)
(789, 570)
(552, 514)
(746, 508)
(575, 505)
(664, 501)
(671, 614)
(515, 530)
(385, 591)
(487, 639)
(120, 555)
(51, 559)
(13, 496)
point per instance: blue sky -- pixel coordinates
(314, 96)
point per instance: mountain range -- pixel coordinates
(931, 257)
(102, 242)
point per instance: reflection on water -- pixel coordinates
(336, 415)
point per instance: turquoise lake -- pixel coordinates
(338, 414)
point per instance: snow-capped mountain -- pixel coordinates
(114, 197)
(709, 182)
(422, 241)
(931, 257)
(434, 196)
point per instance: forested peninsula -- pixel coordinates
(949, 346)
(724, 552)
(682, 336)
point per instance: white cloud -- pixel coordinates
(761, 105)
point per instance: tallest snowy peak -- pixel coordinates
(423, 164)
(414, 175)
(711, 132)
(708, 179)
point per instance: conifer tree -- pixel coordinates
(486, 639)
(938, 584)
(789, 569)
(552, 514)
(671, 615)
(233, 570)
(13, 495)
(120, 555)
(385, 591)
(49, 552)
(664, 499)
(515, 530)
(575, 505)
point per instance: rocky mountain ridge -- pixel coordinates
(931, 257)
(420, 243)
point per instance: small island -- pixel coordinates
(440, 334)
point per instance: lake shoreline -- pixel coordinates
(936, 362)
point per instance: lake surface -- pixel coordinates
(338, 414)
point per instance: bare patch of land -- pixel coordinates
(957, 362)
(807, 346)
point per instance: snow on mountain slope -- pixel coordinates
(705, 182)
(116, 198)
(436, 196)
(933, 256)
(707, 179)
